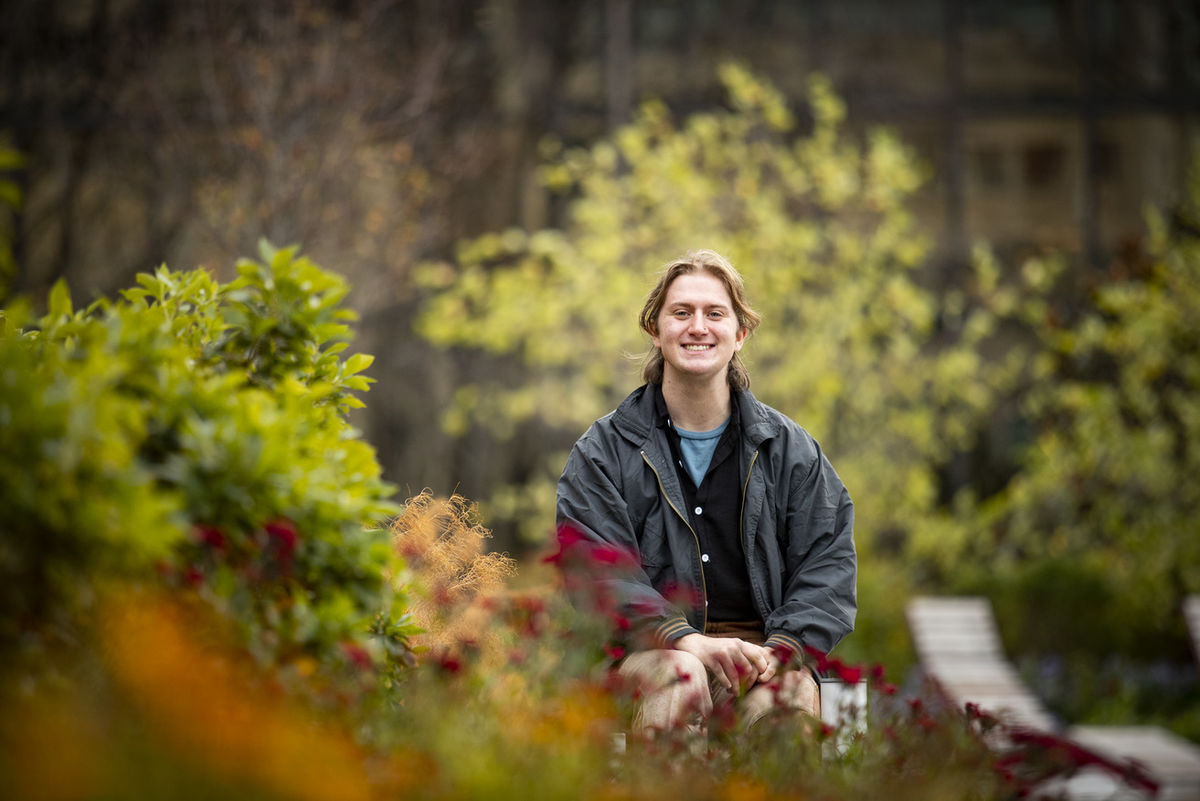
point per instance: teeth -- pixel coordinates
(696, 347)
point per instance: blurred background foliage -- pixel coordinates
(1086, 400)
(1016, 418)
(818, 226)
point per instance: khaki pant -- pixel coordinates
(677, 692)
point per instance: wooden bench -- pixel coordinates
(1173, 762)
(959, 649)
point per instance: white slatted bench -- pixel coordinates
(959, 649)
(1173, 762)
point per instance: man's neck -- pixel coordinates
(696, 406)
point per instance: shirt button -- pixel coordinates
(704, 557)
(698, 510)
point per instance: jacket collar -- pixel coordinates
(637, 416)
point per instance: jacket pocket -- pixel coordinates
(652, 544)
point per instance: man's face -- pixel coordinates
(698, 331)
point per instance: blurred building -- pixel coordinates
(1046, 123)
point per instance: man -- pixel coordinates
(743, 531)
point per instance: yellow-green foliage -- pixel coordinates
(817, 222)
(1108, 485)
(1094, 413)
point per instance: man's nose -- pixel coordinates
(699, 324)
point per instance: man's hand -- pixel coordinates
(735, 663)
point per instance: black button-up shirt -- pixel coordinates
(714, 511)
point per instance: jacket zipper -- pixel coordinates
(696, 539)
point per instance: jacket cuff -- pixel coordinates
(781, 640)
(671, 629)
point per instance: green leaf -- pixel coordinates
(60, 300)
(357, 363)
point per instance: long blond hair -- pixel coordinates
(693, 261)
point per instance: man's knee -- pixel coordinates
(799, 690)
(684, 668)
(672, 685)
(664, 667)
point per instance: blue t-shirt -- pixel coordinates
(697, 448)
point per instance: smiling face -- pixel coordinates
(697, 329)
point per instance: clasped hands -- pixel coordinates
(736, 664)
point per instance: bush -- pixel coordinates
(196, 432)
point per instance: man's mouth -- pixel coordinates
(697, 348)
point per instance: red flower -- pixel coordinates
(614, 652)
(783, 653)
(282, 533)
(850, 674)
(976, 713)
(683, 594)
(357, 655)
(615, 556)
(448, 662)
(575, 548)
(211, 536)
(568, 537)
(193, 576)
(1076, 756)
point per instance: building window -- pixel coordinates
(1044, 163)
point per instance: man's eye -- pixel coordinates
(681, 313)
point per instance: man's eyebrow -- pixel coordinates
(689, 304)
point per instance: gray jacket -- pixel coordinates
(620, 488)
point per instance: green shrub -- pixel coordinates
(197, 432)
